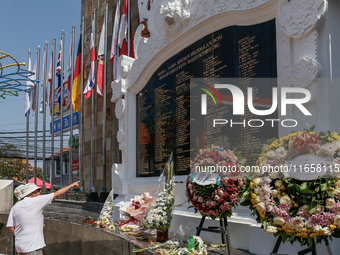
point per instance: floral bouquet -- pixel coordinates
(173, 247)
(215, 193)
(160, 213)
(297, 210)
(107, 210)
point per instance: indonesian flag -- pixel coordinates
(76, 80)
(114, 47)
(90, 82)
(101, 59)
(123, 38)
(34, 90)
(49, 78)
(28, 94)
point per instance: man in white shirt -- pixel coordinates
(26, 219)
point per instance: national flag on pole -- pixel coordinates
(101, 59)
(58, 73)
(43, 84)
(49, 78)
(76, 80)
(34, 90)
(123, 33)
(28, 94)
(114, 45)
(90, 82)
(67, 96)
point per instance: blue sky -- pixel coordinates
(26, 25)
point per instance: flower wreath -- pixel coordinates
(297, 210)
(217, 199)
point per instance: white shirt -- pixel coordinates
(27, 218)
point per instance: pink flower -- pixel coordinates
(317, 219)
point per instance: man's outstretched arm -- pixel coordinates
(62, 191)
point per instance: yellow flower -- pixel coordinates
(253, 195)
(296, 205)
(253, 201)
(332, 227)
(331, 188)
(313, 235)
(298, 234)
(292, 196)
(330, 139)
(304, 235)
(251, 185)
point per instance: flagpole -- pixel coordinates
(71, 105)
(62, 108)
(81, 108)
(44, 112)
(128, 28)
(52, 111)
(115, 61)
(104, 100)
(28, 124)
(92, 113)
(36, 117)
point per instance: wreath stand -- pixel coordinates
(222, 229)
(303, 252)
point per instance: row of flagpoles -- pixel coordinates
(73, 99)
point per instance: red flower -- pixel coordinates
(230, 181)
(85, 222)
(212, 154)
(217, 158)
(91, 221)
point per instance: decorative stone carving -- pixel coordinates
(124, 65)
(119, 183)
(176, 15)
(118, 89)
(304, 72)
(120, 108)
(120, 135)
(301, 16)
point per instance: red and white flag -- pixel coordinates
(114, 45)
(123, 33)
(90, 82)
(101, 59)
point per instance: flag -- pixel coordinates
(67, 96)
(90, 82)
(76, 80)
(114, 45)
(49, 78)
(123, 38)
(58, 72)
(34, 90)
(101, 59)
(43, 84)
(28, 94)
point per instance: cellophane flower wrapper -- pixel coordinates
(107, 210)
(159, 215)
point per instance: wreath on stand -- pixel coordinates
(298, 210)
(215, 182)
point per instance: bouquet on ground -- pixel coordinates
(215, 193)
(173, 247)
(92, 222)
(107, 210)
(296, 209)
(160, 214)
(134, 211)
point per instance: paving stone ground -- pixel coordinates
(77, 212)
